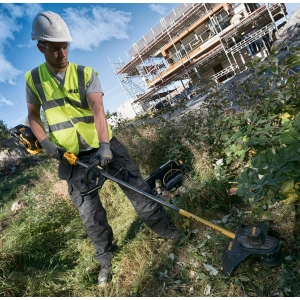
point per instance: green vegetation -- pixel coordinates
(4, 132)
(242, 154)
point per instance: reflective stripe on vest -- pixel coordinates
(68, 115)
(60, 102)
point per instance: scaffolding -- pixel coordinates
(195, 42)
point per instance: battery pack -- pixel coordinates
(170, 174)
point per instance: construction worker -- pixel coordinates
(71, 97)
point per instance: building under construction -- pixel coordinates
(193, 43)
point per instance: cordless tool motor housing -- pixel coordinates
(24, 137)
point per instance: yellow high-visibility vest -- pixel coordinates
(66, 109)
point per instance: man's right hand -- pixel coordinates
(53, 150)
(59, 153)
(50, 148)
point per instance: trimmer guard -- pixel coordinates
(251, 241)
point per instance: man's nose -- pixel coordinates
(62, 52)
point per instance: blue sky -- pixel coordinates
(119, 25)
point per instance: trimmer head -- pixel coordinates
(252, 241)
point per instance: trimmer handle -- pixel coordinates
(70, 157)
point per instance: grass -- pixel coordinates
(46, 252)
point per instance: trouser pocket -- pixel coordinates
(64, 171)
(74, 193)
(121, 158)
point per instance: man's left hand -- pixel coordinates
(103, 155)
(101, 158)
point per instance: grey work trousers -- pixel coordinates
(93, 214)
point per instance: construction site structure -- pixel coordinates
(193, 43)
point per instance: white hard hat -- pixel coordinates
(49, 26)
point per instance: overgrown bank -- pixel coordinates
(242, 152)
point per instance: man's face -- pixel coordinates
(56, 54)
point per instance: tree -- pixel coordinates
(5, 140)
(108, 114)
(4, 132)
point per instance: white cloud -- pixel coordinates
(112, 90)
(8, 28)
(91, 26)
(30, 44)
(5, 101)
(10, 17)
(31, 10)
(160, 9)
(13, 11)
(22, 119)
(8, 73)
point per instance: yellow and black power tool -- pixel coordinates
(24, 137)
(249, 241)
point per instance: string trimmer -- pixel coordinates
(250, 241)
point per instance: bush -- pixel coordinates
(248, 128)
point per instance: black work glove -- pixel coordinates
(103, 155)
(54, 151)
(50, 148)
(101, 158)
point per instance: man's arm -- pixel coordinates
(96, 105)
(37, 127)
(35, 122)
(104, 154)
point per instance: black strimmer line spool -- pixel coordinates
(252, 241)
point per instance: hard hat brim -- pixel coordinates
(58, 40)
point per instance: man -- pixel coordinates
(71, 97)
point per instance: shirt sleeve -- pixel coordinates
(31, 97)
(94, 86)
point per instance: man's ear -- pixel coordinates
(40, 47)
